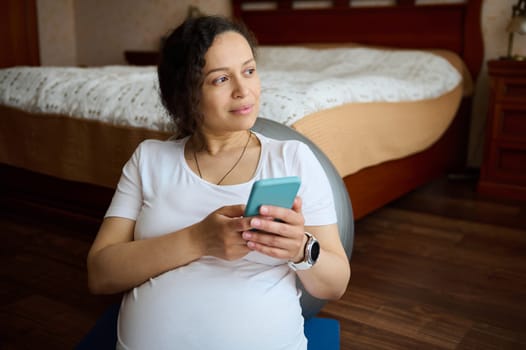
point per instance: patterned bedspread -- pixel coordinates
(296, 82)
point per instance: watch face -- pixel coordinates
(315, 251)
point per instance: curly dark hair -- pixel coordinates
(180, 68)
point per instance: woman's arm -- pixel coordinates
(117, 263)
(329, 277)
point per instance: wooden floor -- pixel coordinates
(441, 268)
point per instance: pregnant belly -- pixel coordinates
(214, 304)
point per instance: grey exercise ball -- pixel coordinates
(310, 305)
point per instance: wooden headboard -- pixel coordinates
(454, 27)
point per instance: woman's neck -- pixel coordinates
(214, 144)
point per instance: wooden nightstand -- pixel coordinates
(503, 171)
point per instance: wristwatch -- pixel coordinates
(311, 254)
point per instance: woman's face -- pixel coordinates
(231, 86)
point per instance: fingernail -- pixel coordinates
(263, 210)
(247, 235)
(255, 222)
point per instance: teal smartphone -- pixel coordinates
(279, 192)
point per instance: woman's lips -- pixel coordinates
(243, 110)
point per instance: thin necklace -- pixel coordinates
(233, 166)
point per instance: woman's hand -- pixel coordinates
(282, 239)
(220, 233)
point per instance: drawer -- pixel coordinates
(510, 90)
(507, 163)
(509, 122)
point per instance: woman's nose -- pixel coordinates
(240, 89)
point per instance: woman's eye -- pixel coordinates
(220, 80)
(250, 71)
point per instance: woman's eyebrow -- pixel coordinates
(226, 68)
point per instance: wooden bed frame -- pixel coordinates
(455, 27)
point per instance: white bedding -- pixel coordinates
(295, 82)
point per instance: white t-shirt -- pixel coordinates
(251, 303)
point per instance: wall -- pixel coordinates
(56, 31)
(97, 32)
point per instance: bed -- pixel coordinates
(69, 146)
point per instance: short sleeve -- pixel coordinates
(316, 192)
(127, 199)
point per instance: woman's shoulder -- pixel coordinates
(152, 145)
(153, 148)
(291, 147)
(272, 142)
